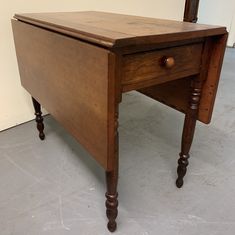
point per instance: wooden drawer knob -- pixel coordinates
(168, 62)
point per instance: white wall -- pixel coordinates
(15, 103)
(231, 41)
(219, 12)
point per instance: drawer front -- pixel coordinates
(161, 65)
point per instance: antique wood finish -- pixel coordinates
(191, 10)
(77, 65)
(111, 198)
(216, 50)
(60, 77)
(175, 93)
(39, 118)
(153, 66)
(189, 128)
(115, 97)
(101, 28)
(111, 182)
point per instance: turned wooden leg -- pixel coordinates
(111, 199)
(112, 194)
(188, 130)
(39, 118)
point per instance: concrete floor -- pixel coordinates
(53, 187)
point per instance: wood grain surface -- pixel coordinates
(140, 67)
(175, 93)
(115, 30)
(72, 80)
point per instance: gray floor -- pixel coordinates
(55, 188)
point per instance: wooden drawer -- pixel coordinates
(154, 67)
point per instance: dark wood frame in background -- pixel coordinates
(191, 11)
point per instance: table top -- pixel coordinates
(117, 30)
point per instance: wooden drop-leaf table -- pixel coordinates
(78, 64)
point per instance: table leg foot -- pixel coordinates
(39, 118)
(182, 169)
(111, 211)
(111, 200)
(188, 130)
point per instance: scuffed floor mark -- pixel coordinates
(22, 169)
(55, 225)
(195, 220)
(13, 145)
(92, 188)
(145, 233)
(61, 215)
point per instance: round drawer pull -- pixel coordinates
(168, 62)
